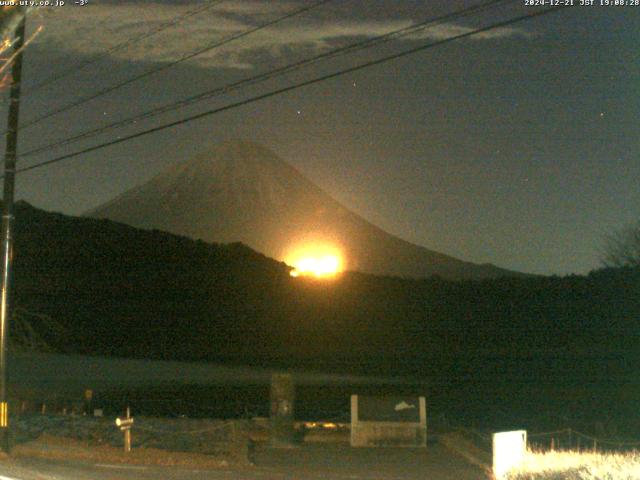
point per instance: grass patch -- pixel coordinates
(59, 448)
(573, 465)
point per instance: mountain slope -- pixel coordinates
(241, 191)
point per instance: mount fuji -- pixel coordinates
(240, 191)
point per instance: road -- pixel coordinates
(309, 462)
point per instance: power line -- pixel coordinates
(294, 87)
(123, 45)
(172, 64)
(272, 74)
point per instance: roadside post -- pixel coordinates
(509, 451)
(125, 425)
(88, 402)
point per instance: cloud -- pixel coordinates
(441, 32)
(92, 29)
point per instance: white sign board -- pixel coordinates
(509, 449)
(388, 421)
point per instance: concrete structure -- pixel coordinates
(388, 421)
(282, 399)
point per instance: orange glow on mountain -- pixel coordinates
(315, 261)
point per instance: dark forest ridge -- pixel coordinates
(178, 298)
(115, 290)
(242, 192)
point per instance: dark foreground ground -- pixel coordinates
(310, 461)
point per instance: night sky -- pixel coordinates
(518, 147)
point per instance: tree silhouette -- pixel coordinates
(622, 248)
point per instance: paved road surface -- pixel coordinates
(309, 462)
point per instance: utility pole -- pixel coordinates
(7, 228)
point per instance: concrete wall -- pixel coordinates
(388, 433)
